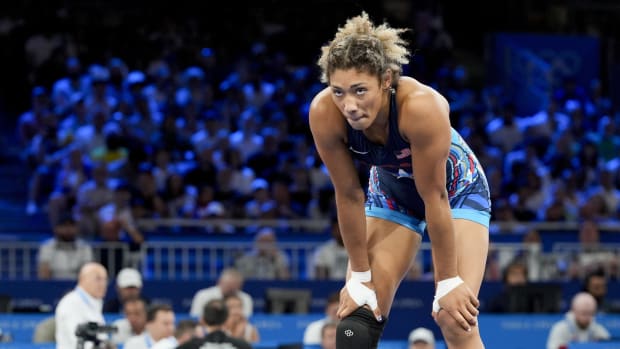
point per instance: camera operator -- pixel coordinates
(81, 305)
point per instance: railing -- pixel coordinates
(204, 259)
(167, 260)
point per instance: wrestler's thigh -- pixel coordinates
(472, 244)
(391, 249)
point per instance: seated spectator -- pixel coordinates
(579, 324)
(90, 197)
(595, 284)
(72, 174)
(237, 325)
(117, 225)
(134, 321)
(328, 335)
(62, 256)
(128, 286)
(214, 316)
(593, 254)
(265, 261)
(230, 282)
(313, 332)
(160, 324)
(515, 274)
(330, 259)
(421, 338)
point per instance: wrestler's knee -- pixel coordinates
(452, 330)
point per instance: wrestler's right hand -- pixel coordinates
(358, 291)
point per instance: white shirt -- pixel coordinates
(124, 331)
(75, 308)
(333, 257)
(143, 341)
(166, 343)
(202, 297)
(65, 259)
(312, 333)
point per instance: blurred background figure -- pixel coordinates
(133, 322)
(579, 324)
(421, 338)
(266, 260)
(328, 335)
(160, 324)
(238, 325)
(81, 305)
(312, 332)
(62, 256)
(214, 317)
(230, 282)
(128, 286)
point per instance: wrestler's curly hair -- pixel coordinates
(361, 45)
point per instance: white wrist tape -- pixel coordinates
(360, 293)
(361, 276)
(443, 288)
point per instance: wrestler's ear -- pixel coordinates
(386, 79)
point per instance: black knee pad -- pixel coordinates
(360, 330)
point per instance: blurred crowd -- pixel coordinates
(179, 128)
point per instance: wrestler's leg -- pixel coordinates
(391, 248)
(472, 243)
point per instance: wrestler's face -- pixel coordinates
(358, 95)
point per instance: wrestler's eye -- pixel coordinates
(360, 91)
(337, 93)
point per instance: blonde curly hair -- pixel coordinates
(361, 45)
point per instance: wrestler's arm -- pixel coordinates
(426, 125)
(328, 133)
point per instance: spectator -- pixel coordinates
(328, 335)
(214, 316)
(230, 282)
(595, 284)
(330, 259)
(134, 322)
(313, 332)
(237, 325)
(62, 256)
(128, 286)
(90, 197)
(159, 325)
(421, 338)
(183, 333)
(579, 324)
(515, 274)
(117, 226)
(265, 261)
(82, 304)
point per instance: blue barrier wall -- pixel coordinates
(498, 331)
(411, 307)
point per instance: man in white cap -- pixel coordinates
(421, 338)
(128, 286)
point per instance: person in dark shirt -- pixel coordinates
(214, 316)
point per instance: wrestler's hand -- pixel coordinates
(356, 294)
(455, 297)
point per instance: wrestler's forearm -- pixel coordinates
(352, 222)
(443, 244)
